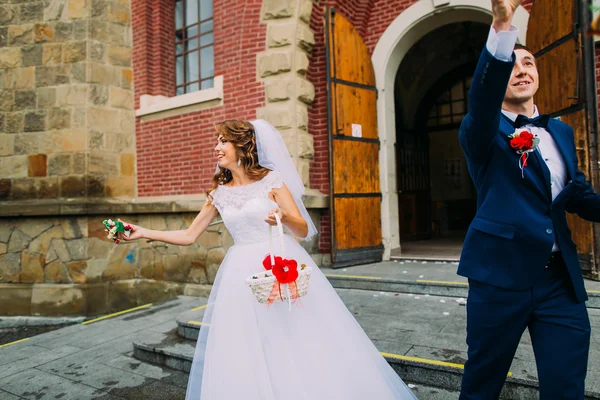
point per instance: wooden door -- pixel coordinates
(353, 145)
(565, 56)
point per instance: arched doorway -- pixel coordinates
(436, 199)
(392, 48)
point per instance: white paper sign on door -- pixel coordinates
(356, 130)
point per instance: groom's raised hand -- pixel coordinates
(503, 12)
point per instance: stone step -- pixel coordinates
(430, 379)
(188, 324)
(417, 277)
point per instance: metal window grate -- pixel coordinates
(451, 106)
(194, 45)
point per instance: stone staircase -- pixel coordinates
(432, 378)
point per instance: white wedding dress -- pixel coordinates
(248, 351)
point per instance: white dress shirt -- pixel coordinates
(501, 45)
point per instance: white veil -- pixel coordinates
(274, 155)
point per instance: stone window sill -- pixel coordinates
(159, 107)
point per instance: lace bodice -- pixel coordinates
(244, 208)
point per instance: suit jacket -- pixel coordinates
(511, 237)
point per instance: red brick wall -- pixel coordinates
(175, 155)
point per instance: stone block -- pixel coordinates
(3, 248)
(273, 63)
(281, 117)
(128, 164)
(303, 167)
(33, 227)
(47, 188)
(99, 8)
(56, 272)
(96, 230)
(279, 90)
(306, 10)
(52, 75)
(38, 165)
(10, 268)
(41, 243)
(127, 123)
(97, 51)
(306, 145)
(119, 13)
(25, 99)
(72, 186)
(78, 9)
(74, 52)
(210, 240)
(99, 248)
(76, 271)
(120, 186)
(72, 95)
(43, 33)
(95, 269)
(32, 267)
(122, 295)
(7, 15)
(79, 119)
(121, 263)
(301, 117)
(98, 95)
(95, 186)
(274, 9)
(63, 31)
(301, 63)
(146, 263)
(7, 100)
(59, 118)
(96, 299)
(78, 162)
(52, 53)
(34, 121)
(5, 232)
(79, 72)
(305, 38)
(78, 249)
(15, 299)
(57, 300)
(175, 268)
(281, 34)
(13, 167)
(19, 35)
(20, 78)
(14, 123)
(46, 97)
(23, 189)
(104, 74)
(121, 98)
(7, 145)
(154, 292)
(103, 163)
(31, 12)
(119, 55)
(2, 120)
(59, 164)
(3, 36)
(101, 117)
(127, 78)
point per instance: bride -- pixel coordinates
(249, 351)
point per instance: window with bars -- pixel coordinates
(194, 45)
(451, 106)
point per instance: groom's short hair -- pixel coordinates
(523, 47)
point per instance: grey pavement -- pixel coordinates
(95, 361)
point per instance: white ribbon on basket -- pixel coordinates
(271, 253)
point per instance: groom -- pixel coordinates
(521, 263)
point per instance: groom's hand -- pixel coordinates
(503, 12)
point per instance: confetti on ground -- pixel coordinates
(426, 295)
(424, 262)
(446, 313)
(442, 301)
(404, 272)
(402, 262)
(411, 386)
(421, 276)
(417, 297)
(395, 260)
(375, 295)
(344, 269)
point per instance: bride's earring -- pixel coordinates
(239, 162)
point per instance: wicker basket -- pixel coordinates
(262, 282)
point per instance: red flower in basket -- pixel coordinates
(286, 272)
(267, 262)
(523, 142)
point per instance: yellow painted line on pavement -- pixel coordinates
(197, 323)
(443, 282)
(426, 361)
(200, 308)
(116, 314)
(593, 291)
(352, 276)
(10, 344)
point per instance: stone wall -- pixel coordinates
(67, 126)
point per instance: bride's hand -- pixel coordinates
(137, 232)
(271, 217)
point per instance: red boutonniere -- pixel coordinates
(523, 142)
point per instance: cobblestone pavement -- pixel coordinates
(9, 335)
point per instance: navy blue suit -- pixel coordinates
(508, 245)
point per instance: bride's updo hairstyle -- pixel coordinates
(241, 135)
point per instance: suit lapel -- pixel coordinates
(535, 165)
